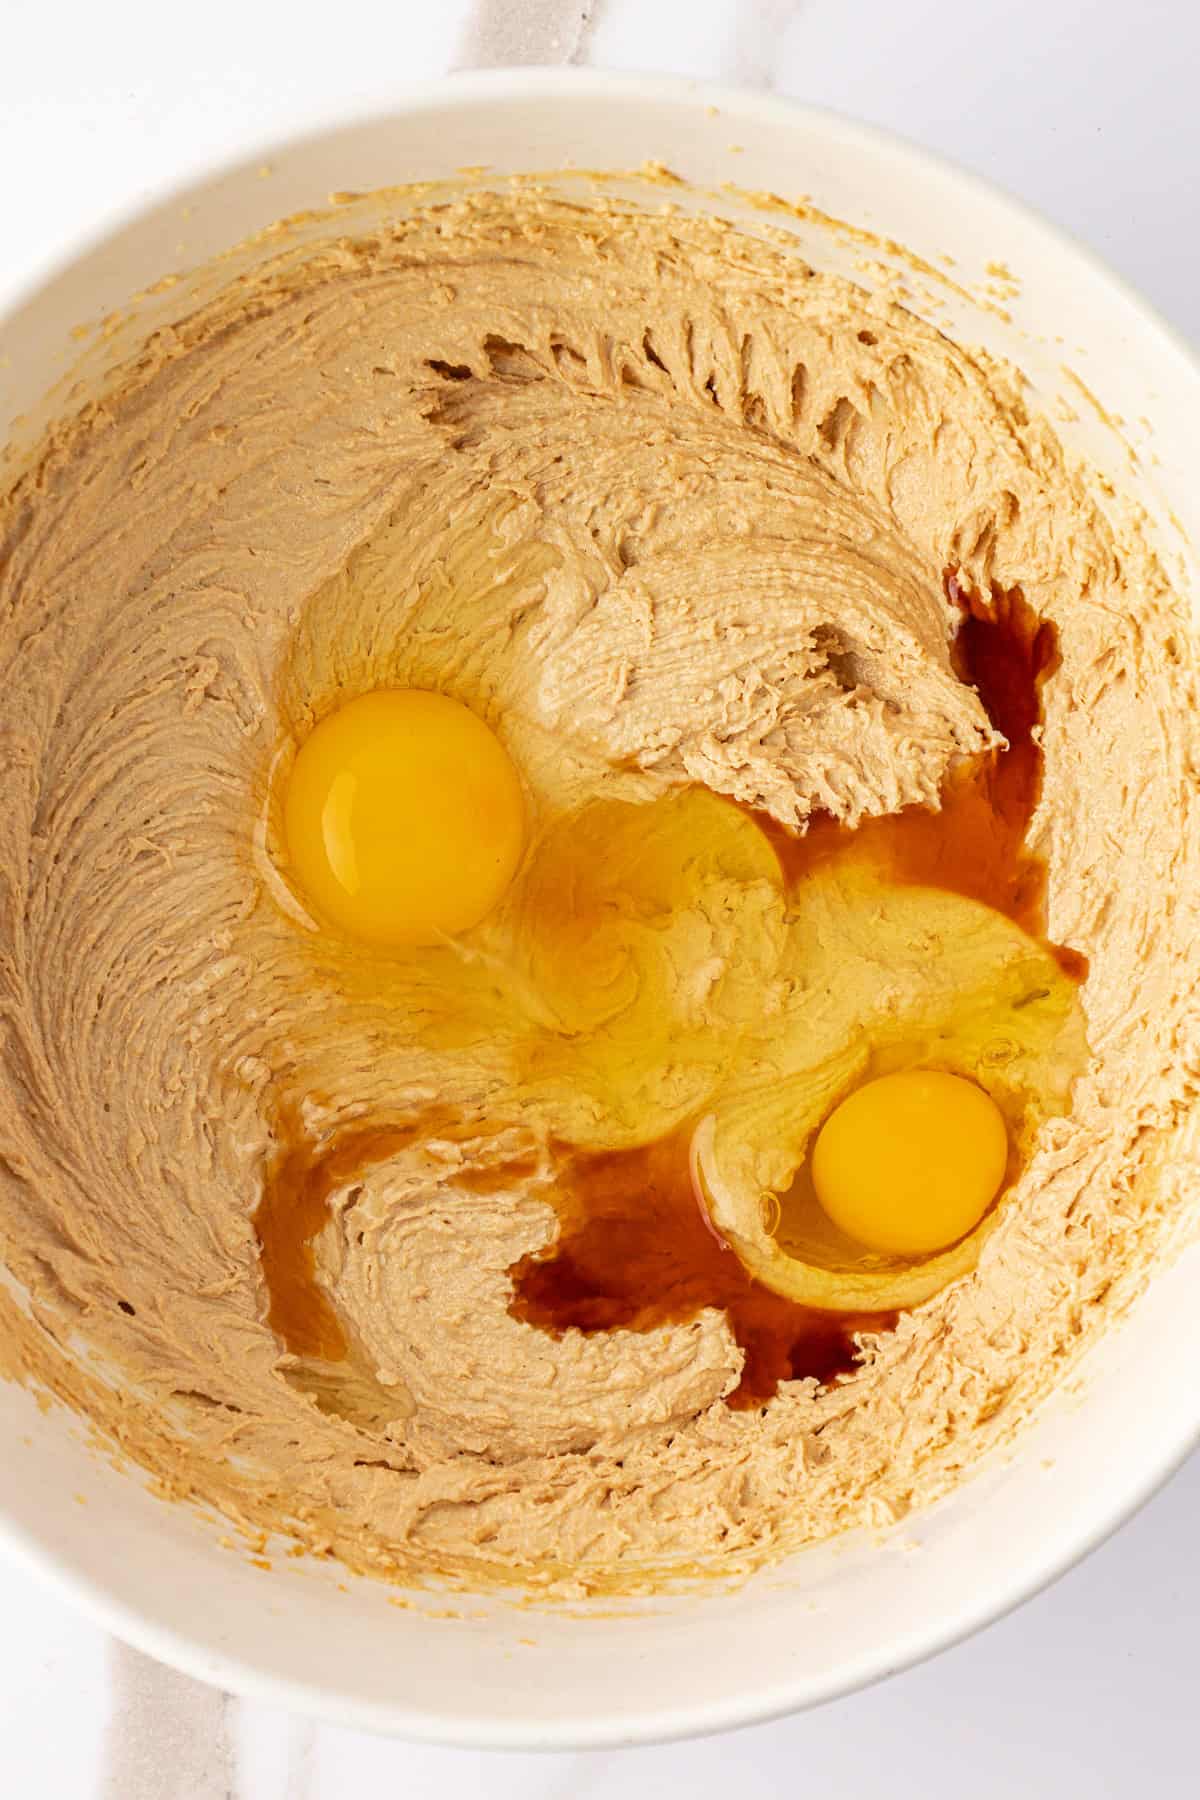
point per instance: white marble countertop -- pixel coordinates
(1085, 108)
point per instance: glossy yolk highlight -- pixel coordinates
(909, 1163)
(403, 817)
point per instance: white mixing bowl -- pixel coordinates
(306, 1635)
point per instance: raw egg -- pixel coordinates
(909, 1163)
(403, 817)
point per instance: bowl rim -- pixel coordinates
(250, 1678)
(461, 87)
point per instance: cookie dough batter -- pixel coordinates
(672, 513)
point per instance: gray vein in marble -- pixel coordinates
(506, 33)
(752, 49)
(169, 1736)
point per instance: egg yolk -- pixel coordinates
(403, 817)
(909, 1163)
